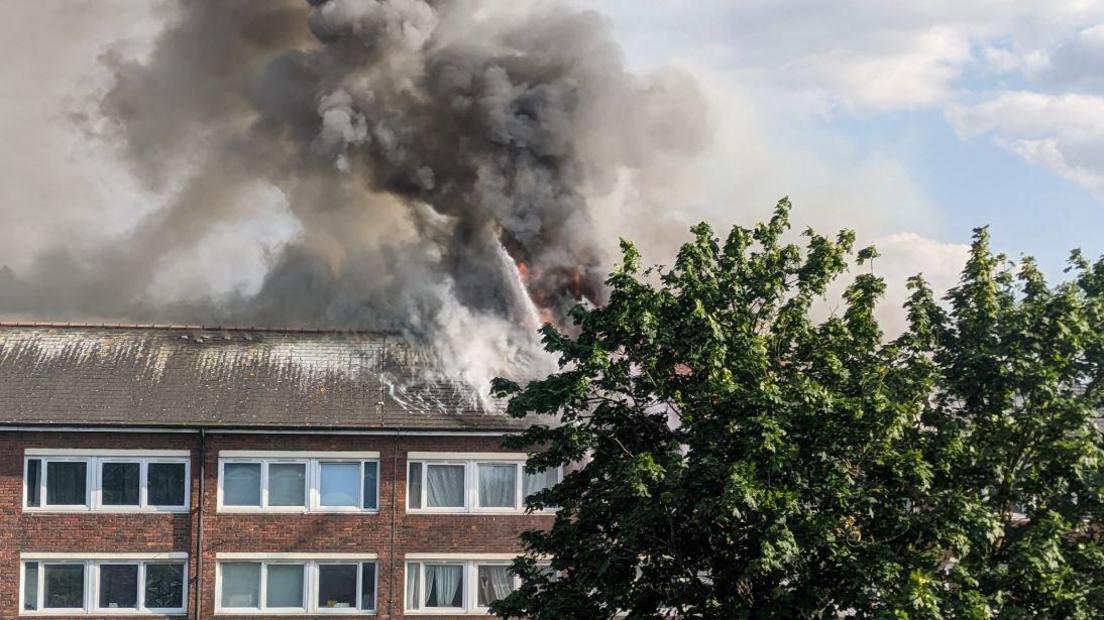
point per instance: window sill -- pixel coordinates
(76, 613)
(105, 510)
(292, 612)
(482, 512)
(292, 511)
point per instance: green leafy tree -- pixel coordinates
(730, 456)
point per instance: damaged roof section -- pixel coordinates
(177, 376)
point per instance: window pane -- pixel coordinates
(34, 481)
(445, 486)
(368, 586)
(30, 586)
(495, 582)
(164, 586)
(241, 485)
(241, 584)
(413, 585)
(287, 485)
(444, 586)
(285, 585)
(371, 472)
(340, 484)
(497, 486)
(119, 484)
(414, 486)
(64, 586)
(166, 485)
(540, 481)
(119, 586)
(337, 584)
(66, 483)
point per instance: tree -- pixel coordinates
(729, 456)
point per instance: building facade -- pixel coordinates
(214, 473)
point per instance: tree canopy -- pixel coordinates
(729, 455)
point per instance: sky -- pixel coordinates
(910, 122)
(964, 113)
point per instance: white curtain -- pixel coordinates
(285, 585)
(541, 480)
(287, 483)
(495, 582)
(443, 586)
(497, 486)
(445, 486)
(241, 585)
(413, 582)
(241, 484)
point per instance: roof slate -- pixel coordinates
(178, 376)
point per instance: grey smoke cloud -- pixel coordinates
(423, 149)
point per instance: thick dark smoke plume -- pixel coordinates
(426, 149)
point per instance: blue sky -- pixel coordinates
(990, 112)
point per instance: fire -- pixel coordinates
(523, 272)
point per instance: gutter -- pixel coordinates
(49, 428)
(199, 521)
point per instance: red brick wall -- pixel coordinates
(390, 534)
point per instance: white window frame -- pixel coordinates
(310, 563)
(470, 586)
(94, 460)
(472, 463)
(91, 563)
(313, 462)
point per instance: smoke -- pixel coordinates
(441, 162)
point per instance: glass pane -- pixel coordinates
(445, 486)
(337, 584)
(287, 485)
(118, 586)
(64, 586)
(540, 481)
(371, 471)
(444, 586)
(241, 584)
(340, 484)
(413, 585)
(414, 486)
(66, 483)
(497, 486)
(285, 585)
(30, 586)
(34, 481)
(241, 485)
(164, 586)
(166, 484)
(495, 582)
(120, 483)
(368, 586)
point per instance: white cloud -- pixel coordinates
(1061, 132)
(855, 55)
(903, 255)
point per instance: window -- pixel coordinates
(106, 480)
(472, 483)
(241, 484)
(448, 585)
(295, 482)
(295, 583)
(121, 584)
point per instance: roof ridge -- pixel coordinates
(195, 327)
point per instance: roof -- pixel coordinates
(191, 376)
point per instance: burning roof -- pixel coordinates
(175, 376)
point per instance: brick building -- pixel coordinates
(197, 472)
